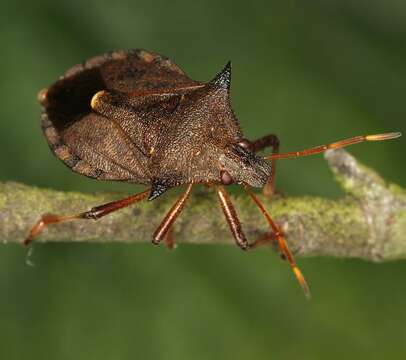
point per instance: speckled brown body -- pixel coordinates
(135, 116)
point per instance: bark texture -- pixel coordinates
(369, 222)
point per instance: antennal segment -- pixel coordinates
(335, 145)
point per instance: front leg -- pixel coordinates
(275, 235)
(257, 145)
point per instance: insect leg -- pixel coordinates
(335, 145)
(283, 246)
(169, 241)
(94, 213)
(171, 216)
(264, 142)
(260, 144)
(232, 218)
(266, 239)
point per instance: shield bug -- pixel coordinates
(135, 116)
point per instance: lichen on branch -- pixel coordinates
(369, 222)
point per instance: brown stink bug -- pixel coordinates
(135, 116)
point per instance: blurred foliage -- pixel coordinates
(310, 71)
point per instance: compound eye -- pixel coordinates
(245, 143)
(225, 177)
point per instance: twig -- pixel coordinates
(369, 222)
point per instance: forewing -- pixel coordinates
(94, 145)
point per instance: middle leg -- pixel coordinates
(164, 229)
(169, 240)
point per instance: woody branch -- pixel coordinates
(369, 222)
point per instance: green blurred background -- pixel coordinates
(310, 71)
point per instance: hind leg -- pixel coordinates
(94, 213)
